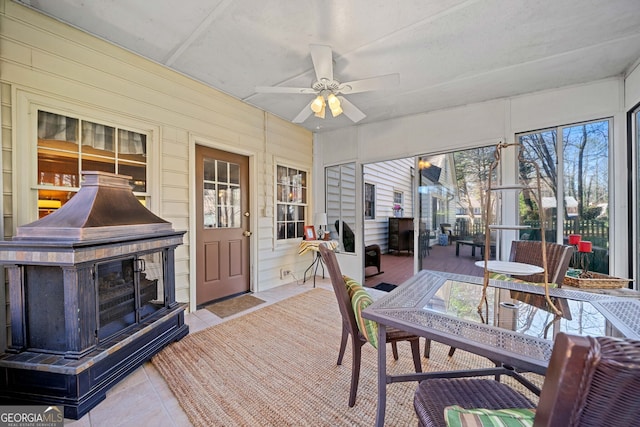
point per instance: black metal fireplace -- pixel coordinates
(92, 297)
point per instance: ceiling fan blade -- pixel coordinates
(373, 83)
(281, 89)
(351, 110)
(322, 61)
(303, 115)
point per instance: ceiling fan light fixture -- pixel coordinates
(334, 105)
(318, 104)
(320, 113)
(333, 101)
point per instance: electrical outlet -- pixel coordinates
(284, 272)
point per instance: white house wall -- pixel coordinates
(46, 63)
(388, 177)
(489, 122)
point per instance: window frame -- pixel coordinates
(27, 104)
(299, 228)
(369, 206)
(341, 204)
(561, 202)
(634, 212)
(82, 152)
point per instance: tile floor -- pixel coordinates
(144, 399)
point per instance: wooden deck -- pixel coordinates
(398, 267)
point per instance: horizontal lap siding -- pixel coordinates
(44, 57)
(282, 147)
(389, 176)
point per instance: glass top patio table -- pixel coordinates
(515, 328)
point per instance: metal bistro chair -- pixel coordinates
(589, 382)
(350, 326)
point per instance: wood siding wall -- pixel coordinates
(44, 63)
(389, 176)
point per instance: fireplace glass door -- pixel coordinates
(129, 290)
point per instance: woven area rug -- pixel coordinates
(234, 305)
(276, 366)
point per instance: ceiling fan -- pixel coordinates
(329, 91)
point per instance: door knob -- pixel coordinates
(246, 233)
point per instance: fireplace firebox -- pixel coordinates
(91, 294)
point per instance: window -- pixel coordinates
(222, 194)
(69, 145)
(340, 184)
(369, 201)
(635, 126)
(291, 203)
(398, 198)
(574, 167)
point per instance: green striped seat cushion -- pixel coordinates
(351, 285)
(456, 416)
(360, 300)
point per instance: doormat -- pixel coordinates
(387, 287)
(234, 305)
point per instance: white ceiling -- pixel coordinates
(447, 52)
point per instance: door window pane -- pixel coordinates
(209, 205)
(221, 198)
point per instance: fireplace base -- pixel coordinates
(49, 379)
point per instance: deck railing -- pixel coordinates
(596, 231)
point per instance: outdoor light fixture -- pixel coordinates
(423, 164)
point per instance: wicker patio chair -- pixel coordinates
(350, 326)
(589, 382)
(530, 252)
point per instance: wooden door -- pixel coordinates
(222, 232)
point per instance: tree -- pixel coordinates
(472, 173)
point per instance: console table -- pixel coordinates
(314, 247)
